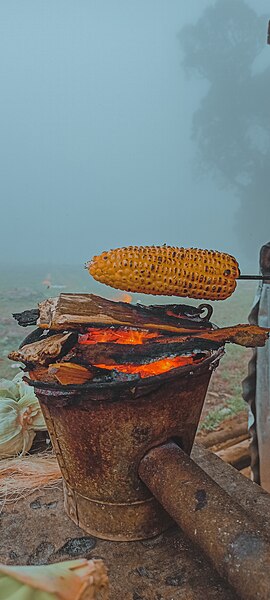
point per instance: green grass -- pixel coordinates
(214, 418)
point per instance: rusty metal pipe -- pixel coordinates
(210, 518)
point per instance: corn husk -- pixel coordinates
(20, 417)
(23, 475)
(70, 580)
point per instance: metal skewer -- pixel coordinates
(261, 277)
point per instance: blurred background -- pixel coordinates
(128, 122)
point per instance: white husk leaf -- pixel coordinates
(70, 580)
(20, 417)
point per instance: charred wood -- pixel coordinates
(36, 336)
(181, 311)
(67, 373)
(72, 311)
(244, 335)
(37, 373)
(27, 317)
(250, 336)
(109, 353)
(45, 351)
(77, 311)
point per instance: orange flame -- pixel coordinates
(154, 368)
(117, 336)
(126, 335)
(123, 297)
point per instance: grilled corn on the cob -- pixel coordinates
(167, 270)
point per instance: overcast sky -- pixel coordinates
(95, 131)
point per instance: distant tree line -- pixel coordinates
(232, 125)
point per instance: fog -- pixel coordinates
(97, 133)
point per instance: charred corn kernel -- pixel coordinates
(168, 271)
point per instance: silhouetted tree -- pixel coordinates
(232, 125)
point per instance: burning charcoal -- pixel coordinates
(109, 353)
(119, 335)
(120, 377)
(116, 340)
(155, 367)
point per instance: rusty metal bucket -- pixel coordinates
(100, 432)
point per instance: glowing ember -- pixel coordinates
(154, 368)
(132, 336)
(125, 297)
(117, 336)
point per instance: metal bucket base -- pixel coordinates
(116, 522)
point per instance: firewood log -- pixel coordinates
(237, 455)
(46, 350)
(70, 373)
(72, 311)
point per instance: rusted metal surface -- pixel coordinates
(210, 518)
(100, 434)
(99, 444)
(253, 499)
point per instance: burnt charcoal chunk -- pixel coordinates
(77, 546)
(42, 554)
(27, 317)
(177, 580)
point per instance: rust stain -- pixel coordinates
(100, 435)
